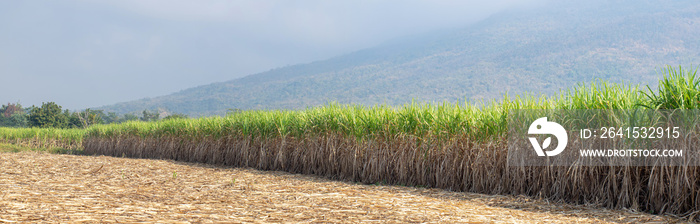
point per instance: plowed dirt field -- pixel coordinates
(43, 187)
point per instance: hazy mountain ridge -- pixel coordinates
(541, 50)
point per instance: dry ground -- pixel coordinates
(42, 187)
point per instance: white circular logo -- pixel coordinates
(541, 126)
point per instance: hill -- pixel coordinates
(540, 50)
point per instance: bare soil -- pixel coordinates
(43, 187)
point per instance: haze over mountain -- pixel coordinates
(541, 50)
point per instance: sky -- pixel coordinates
(83, 54)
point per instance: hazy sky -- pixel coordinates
(91, 53)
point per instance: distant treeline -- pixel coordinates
(51, 115)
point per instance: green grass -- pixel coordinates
(16, 148)
(415, 119)
(678, 89)
(4, 147)
(43, 137)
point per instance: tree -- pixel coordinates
(130, 117)
(175, 116)
(111, 117)
(150, 116)
(88, 117)
(13, 115)
(48, 115)
(18, 120)
(73, 120)
(10, 109)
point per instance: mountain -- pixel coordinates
(540, 50)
